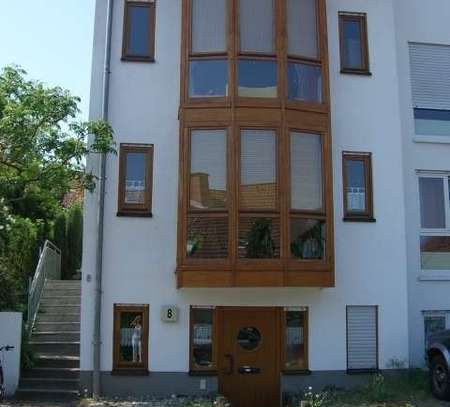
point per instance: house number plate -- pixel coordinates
(169, 313)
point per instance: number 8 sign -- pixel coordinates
(169, 313)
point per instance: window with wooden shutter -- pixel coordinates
(362, 338)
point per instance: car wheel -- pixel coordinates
(440, 378)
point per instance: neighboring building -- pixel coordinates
(256, 213)
(423, 55)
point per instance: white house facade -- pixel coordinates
(261, 222)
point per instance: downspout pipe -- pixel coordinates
(96, 379)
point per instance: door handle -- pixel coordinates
(230, 364)
(249, 370)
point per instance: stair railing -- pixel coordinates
(48, 268)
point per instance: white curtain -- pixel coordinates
(209, 25)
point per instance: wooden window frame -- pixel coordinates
(123, 367)
(368, 214)
(139, 210)
(363, 371)
(198, 370)
(234, 113)
(305, 369)
(233, 54)
(361, 19)
(126, 54)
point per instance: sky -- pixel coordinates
(51, 40)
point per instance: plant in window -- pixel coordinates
(260, 244)
(194, 242)
(310, 244)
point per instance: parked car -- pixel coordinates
(438, 355)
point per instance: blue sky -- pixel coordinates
(51, 40)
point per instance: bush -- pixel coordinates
(74, 238)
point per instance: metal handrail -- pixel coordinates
(48, 268)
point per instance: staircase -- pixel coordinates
(56, 342)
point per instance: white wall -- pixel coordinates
(11, 334)
(427, 22)
(140, 254)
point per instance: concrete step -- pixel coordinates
(49, 395)
(55, 292)
(51, 373)
(60, 300)
(56, 348)
(62, 283)
(59, 309)
(56, 326)
(55, 336)
(49, 383)
(44, 360)
(57, 317)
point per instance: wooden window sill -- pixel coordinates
(359, 219)
(134, 214)
(130, 372)
(355, 72)
(137, 59)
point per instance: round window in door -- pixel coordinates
(249, 338)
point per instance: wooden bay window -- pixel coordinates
(255, 201)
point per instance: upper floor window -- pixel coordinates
(430, 76)
(357, 182)
(135, 180)
(354, 43)
(248, 61)
(434, 192)
(139, 31)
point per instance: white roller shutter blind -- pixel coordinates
(430, 75)
(362, 352)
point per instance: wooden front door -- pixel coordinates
(249, 372)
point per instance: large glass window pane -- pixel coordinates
(432, 203)
(259, 189)
(208, 169)
(435, 252)
(135, 179)
(207, 237)
(296, 337)
(308, 239)
(208, 78)
(259, 238)
(432, 122)
(302, 28)
(352, 49)
(256, 26)
(306, 171)
(202, 337)
(305, 82)
(257, 78)
(139, 30)
(355, 193)
(208, 25)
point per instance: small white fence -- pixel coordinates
(11, 334)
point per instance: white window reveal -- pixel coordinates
(434, 194)
(362, 338)
(430, 82)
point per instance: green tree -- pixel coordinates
(43, 148)
(74, 238)
(42, 145)
(60, 240)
